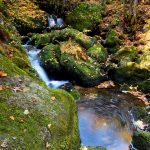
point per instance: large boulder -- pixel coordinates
(63, 35)
(26, 16)
(50, 56)
(33, 116)
(79, 65)
(141, 140)
(86, 16)
(131, 65)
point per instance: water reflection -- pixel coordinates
(97, 130)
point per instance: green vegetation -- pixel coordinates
(85, 16)
(141, 140)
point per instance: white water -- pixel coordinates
(35, 62)
(53, 21)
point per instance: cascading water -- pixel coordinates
(35, 62)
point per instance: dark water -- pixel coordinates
(104, 120)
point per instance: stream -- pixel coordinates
(104, 116)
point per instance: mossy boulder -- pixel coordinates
(50, 56)
(26, 16)
(54, 36)
(33, 116)
(141, 140)
(130, 66)
(86, 16)
(79, 37)
(79, 65)
(98, 52)
(112, 41)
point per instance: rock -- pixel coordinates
(50, 56)
(98, 52)
(112, 41)
(31, 130)
(80, 19)
(79, 37)
(130, 66)
(28, 17)
(79, 65)
(141, 140)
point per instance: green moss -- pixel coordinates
(112, 41)
(79, 37)
(98, 52)
(80, 19)
(139, 112)
(9, 67)
(50, 55)
(141, 140)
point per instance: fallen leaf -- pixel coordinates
(53, 98)
(4, 144)
(47, 145)
(1, 88)
(3, 74)
(15, 89)
(12, 117)
(26, 112)
(49, 126)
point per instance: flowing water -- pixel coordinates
(35, 62)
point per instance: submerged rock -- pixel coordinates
(80, 19)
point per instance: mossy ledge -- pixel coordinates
(51, 121)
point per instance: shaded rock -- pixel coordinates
(112, 41)
(141, 140)
(49, 56)
(80, 19)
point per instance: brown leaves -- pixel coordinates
(106, 84)
(1, 88)
(3, 74)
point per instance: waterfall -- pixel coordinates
(35, 62)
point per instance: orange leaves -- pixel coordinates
(1, 88)
(3, 74)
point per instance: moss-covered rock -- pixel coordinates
(56, 36)
(33, 116)
(79, 37)
(85, 16)
(26, 15)
(130, 66)
(112, 41)
(81, 67)
(141, 140)
(98, 52)
(50, 56)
